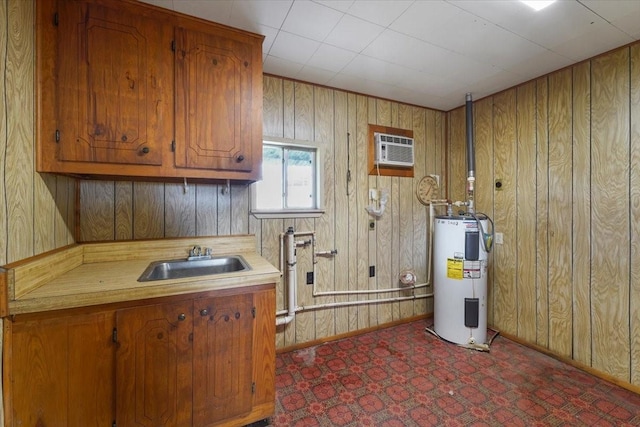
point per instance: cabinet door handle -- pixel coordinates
(204, 312)
(181, 317)
(240, 159)
(145, 150)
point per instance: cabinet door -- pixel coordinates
(223, 336)
(264, 348)
(214, 101)
(114, 78)
(154, 365)
(61, 371)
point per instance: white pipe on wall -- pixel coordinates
(290, 282)
(369, 291)
(361, 302)
(434, 203)
(291, 276)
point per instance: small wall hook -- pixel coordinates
(226, 189)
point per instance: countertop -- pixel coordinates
(101, 273)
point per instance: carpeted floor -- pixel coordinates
(404, 376)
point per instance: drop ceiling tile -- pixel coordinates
(311, 20)
(492, 84)
(344, 81)
(269, 37)
(361, 84)
(418, 98)
(629, 23)
(403, 50)
(418, 55)
(281, 67)
(271, 13)
(330, 58)
(433, 52)
(293, 48)
(370, 68)
(433, 21)
(634, 33)
(313, 74)
(540, 64)
(381, 12)
(353, 33)
(341, 5)
(601, 38)
(613, 10)
(425, 83)
(500, 48)
(391, 92)
(560, 22)
(452, 28)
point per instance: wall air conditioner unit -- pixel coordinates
(393, 150)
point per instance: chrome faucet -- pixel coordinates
(196, 253)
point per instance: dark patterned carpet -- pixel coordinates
(404, 376)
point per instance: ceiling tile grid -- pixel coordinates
(423, 52)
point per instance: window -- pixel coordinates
(290, 181)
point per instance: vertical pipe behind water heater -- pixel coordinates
(471, 160)
(471, 157)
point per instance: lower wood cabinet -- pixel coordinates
(203, 360)
(154, 365)
(59, 371)
(223, 358)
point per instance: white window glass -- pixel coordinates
(289, 179)
(269, 190)
(300, 176)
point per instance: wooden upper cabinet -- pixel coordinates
(111, 91)
(127, 89)
(214, 100)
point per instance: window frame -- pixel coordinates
(314, 212)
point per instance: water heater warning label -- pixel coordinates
(472, 269)
(454, 268)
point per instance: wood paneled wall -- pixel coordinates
(567, 149)
(337, 122)
(566, 146)
(37, 211)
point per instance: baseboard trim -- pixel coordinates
(352, 333)
(595, 372)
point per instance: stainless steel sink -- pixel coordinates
(181, 268)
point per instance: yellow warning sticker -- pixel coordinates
(454, 268)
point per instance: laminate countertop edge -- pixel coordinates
(107, 281)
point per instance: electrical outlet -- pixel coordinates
(499, 238)
(309, 277)
(372, 271)
(372, 224)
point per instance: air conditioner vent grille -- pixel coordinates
(393, 150)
